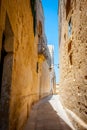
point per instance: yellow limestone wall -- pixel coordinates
(73, 61)
(20, 79)
(24, 83)
(45, 80)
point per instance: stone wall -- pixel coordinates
(19, 87)
(73, 61)
(44, 79)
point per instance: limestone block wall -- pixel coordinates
(73, 61)
(20, 83)
(19, 78)
(44, 80)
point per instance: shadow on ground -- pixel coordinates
(44, 117)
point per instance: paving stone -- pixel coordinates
(44, 117)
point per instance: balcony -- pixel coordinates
(44, 51)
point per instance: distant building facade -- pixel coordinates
(51, 50)
(44, 58)
(73, 60)
(52, 71)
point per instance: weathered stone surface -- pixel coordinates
(17, 36)
(6, 90)
(44, 79)
(73, 63)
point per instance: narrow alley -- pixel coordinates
(48, 114)
(43, 64)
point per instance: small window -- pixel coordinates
(69, 28)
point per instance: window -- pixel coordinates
(69, 28)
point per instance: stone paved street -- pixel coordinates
(46, 115)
